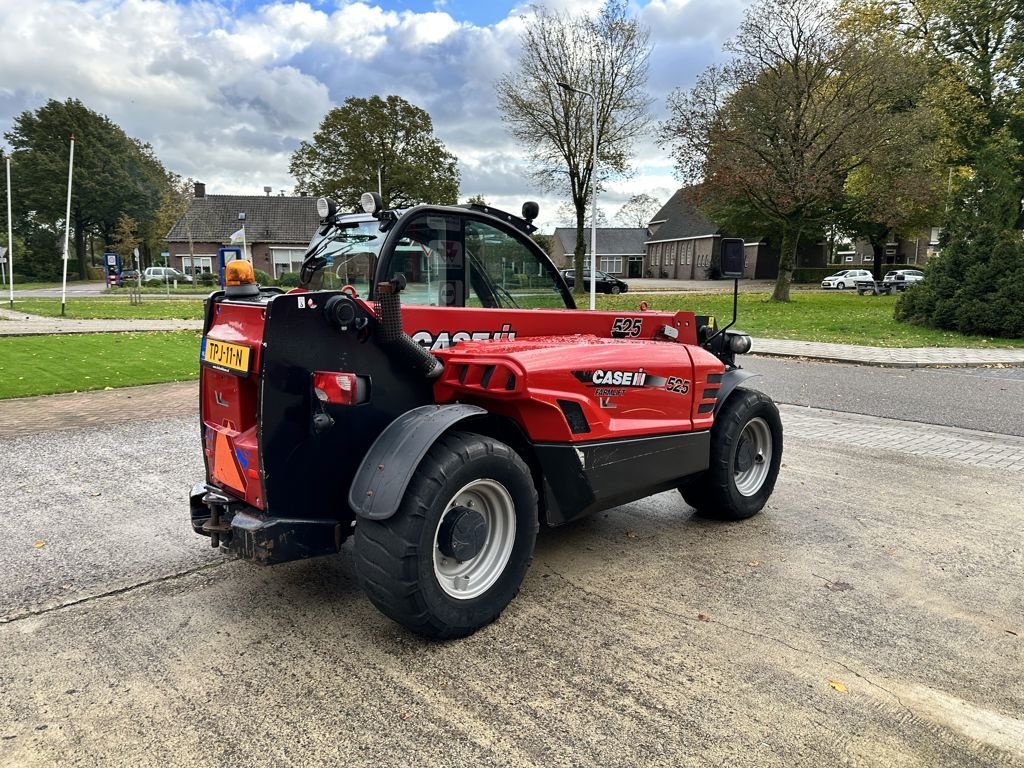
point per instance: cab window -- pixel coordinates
(455, 261)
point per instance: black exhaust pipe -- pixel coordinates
(391, 333)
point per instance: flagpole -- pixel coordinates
(245, 248)
(67, 230)
(10, 234)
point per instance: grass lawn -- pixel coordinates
(117, 309)
(42, 365)
(840, 317)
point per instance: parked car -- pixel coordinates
(847, 278)
(904, 275)
(605, 283)
(166, 274)
(129, 276)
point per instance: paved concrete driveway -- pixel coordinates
(868, 617)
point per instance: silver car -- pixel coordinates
(903, 275)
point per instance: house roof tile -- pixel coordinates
(268, 219)
(682, 219)
(610, 240)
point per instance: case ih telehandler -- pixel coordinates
(447, 400)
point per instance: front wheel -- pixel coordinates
(746, 453)
(615, 290)
(456, 551)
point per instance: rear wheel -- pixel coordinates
(746, 452)
(456, 551)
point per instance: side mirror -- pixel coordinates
(731, 257)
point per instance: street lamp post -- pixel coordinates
(593, 194)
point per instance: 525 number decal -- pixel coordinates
(675, 384)
(630, 327)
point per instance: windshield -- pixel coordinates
(350, 249)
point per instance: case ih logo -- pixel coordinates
(447, 338)
(636, 379)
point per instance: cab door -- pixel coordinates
(464, 258)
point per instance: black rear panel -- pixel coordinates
(312, 471)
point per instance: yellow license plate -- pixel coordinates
(225, 355)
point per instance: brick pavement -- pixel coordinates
(967, 446)
(909, 357)
(78, 410)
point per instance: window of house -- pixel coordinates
(656, 256)
(197, 265)
(286, 260)
(611, 264)
(934, 236)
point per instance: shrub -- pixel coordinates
(288, 280)
(208, 278)
(262, 278)
(977, 285)
(153, 283)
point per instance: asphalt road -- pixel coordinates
(987, 399)
(846, 625)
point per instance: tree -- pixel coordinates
(568, 217)
(899, 189)
(125, 240)
(546, 242)
(976, 49)
(175, 203)
(780, 127)
(976, 286)
(606, 55)
(365, 136)
(476, 200)
(638, 210)
(113, 173)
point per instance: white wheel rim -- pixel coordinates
(759, 435)
(467, 579)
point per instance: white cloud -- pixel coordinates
(227, 96)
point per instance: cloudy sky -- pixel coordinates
(225, 90)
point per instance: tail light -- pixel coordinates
(340, 388)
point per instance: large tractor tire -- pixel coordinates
(456, 551)
(746, 452)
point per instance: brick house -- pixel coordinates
(915, 250)
(620, 250)
(684, 243)
(277, 231)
